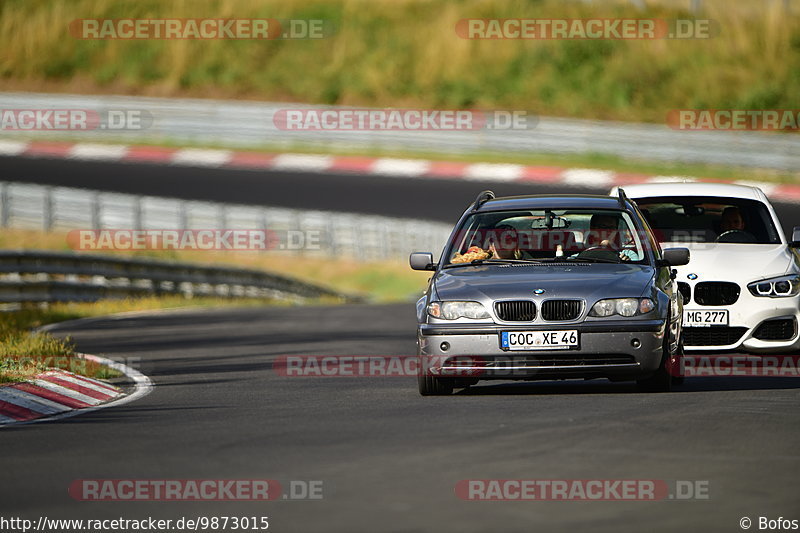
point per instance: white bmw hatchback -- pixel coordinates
(741, 289)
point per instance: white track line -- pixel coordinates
(63, 391)
(494, 172)
(98, 152)
(201, 158)
(310, 163)
(12, 147)
(142, 387)
(587, 177)
(400, 167)
(92, 386)
(31, 401)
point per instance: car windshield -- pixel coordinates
(693, 219)
(602, 236)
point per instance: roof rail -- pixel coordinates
(482, 198)
(622, 197)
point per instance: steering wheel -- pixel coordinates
(736, 235)
(599, 252)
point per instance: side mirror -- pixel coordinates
(422, 261)
(675, 257)
(795, 242)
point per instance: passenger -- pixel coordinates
(507, 243)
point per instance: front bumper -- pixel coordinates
(742, 332)
(612, 349)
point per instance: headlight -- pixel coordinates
(455, 310)
(622, 306)
(780, 287)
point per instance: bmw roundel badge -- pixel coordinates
(538, 291)
(692, 276)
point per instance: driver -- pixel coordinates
(731, 220)
(604, 232)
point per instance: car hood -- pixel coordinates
(591, 281)
(736, 262)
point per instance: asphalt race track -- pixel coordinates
(388, 458)
(430, 199)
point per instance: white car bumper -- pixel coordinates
(756, 324)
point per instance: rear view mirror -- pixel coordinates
(795, 242)
(421, 261)
(675, 257)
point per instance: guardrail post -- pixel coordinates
(184, 216)
(48, 214)
(223, 216)
(96, 211)
(5, 204)
(138, 223)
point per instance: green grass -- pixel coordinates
(405, 53)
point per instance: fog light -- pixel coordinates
(445, 346)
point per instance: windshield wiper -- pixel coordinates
(594, 260)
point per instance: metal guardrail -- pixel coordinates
(319, 234)
(250, 124)
(43, 277)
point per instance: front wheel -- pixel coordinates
(677, 366)
(664, 377)
(432, 386)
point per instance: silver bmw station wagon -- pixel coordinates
(550, 287)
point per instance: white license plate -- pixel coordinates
(705, 317)
(539, 340)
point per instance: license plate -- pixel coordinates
(704, 317)
(539, 340)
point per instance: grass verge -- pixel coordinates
(406, 53)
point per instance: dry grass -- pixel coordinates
(385, 281)
(406, 53)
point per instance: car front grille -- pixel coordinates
(782, 329)
(712, 336)
(685, 291)
(561, 309)
(716, 293)
(516, 310)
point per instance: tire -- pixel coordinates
(433, 386)
(662, 379)
(677, 376)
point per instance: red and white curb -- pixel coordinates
(57, 394)
(378, 166)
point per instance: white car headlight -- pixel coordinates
(622, 306)
(780, 287)
(455, 309)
